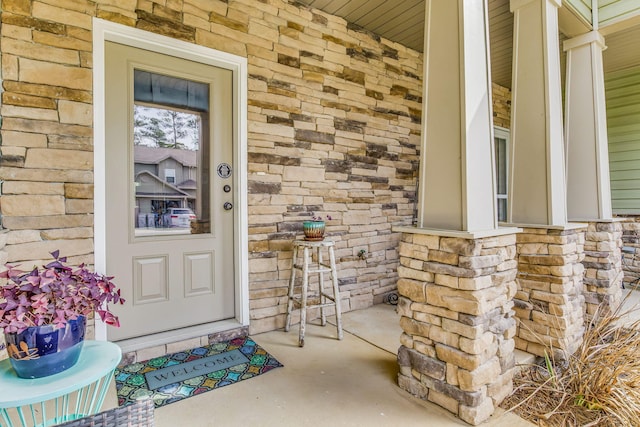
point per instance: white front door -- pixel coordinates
(169, 191)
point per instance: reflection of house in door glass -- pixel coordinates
(166, 187)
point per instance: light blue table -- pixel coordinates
(69, 395)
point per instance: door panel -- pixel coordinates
(169, 239)
(150, 282)
(199, 274)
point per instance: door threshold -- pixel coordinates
(171, 341)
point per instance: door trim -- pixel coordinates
(108, 31)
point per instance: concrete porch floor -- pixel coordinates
(327, 383)
(630, 311)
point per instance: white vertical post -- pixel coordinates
(588, 186)
(537, 191)
(457, 190)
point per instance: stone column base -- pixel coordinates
(456, 300)
(603, 266)
(631, 251)
(550, 303)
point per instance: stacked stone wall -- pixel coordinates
(631, 251)
(333, 128)
(603, 267)
(456, 300)
(501, 106)
(550, 303)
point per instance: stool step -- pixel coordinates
(318, 271)
(311, 298)
(311, 306)
(326, 269)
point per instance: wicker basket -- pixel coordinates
(140, 414)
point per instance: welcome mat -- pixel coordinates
(178, 376)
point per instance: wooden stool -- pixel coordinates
(308, 267)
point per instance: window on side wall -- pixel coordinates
(501, 142)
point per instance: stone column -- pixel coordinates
(456, 300)
(457, 273)
(603, 266)
(631, 252)
(549, 303)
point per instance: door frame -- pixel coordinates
(108, 31)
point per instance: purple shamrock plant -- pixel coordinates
(319, 218)
(54, 294)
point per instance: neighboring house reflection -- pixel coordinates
(164, 179)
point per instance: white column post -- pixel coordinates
(588, 187)
(456, 189)
(537, 194)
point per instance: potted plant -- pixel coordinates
(43, 314)
(314, 228)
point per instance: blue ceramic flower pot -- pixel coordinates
(313, 230)
(40, 351)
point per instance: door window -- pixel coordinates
(170, 155)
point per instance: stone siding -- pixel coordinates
(501, 106)
(456, 303)
(631, 251)
(603, 267)
(333, 128)
(550, 303)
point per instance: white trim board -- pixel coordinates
(108, 31)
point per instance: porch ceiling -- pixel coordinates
(402, 21)
(623, 49)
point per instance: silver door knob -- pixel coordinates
(227, 206)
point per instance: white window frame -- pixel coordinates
(505, 134)
(170, 173)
